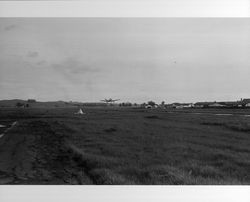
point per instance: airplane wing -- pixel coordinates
(116, 100)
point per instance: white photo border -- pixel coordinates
(125, 8)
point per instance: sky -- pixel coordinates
(132, 59)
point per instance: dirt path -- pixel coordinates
(8, 129)
(32, 153)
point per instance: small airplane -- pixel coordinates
(109, 100)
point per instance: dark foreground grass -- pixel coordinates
(136, 146)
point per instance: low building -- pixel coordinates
(216, 105)
(173, 105)
(177, 105)
(245, 102)
(187, 105)
(232, 104)
(202, 104)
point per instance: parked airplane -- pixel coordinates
(109, 100)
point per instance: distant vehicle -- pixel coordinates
(109, 100)
(148, 107)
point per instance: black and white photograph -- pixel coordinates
(124, 101)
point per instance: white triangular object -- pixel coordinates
(80, 111)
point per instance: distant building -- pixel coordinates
(245, 102)
(202, 104)
(233, 104)
(188, 105)
(216, 104)
(177, 105)
(226, 104)
(173, 105)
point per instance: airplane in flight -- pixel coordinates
(109, 100)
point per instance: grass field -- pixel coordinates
(125, 146)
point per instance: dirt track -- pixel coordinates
(37, 155)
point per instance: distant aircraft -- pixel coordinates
(109, 100)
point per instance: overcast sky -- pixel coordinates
(134, 59)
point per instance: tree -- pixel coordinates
(151, 103)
